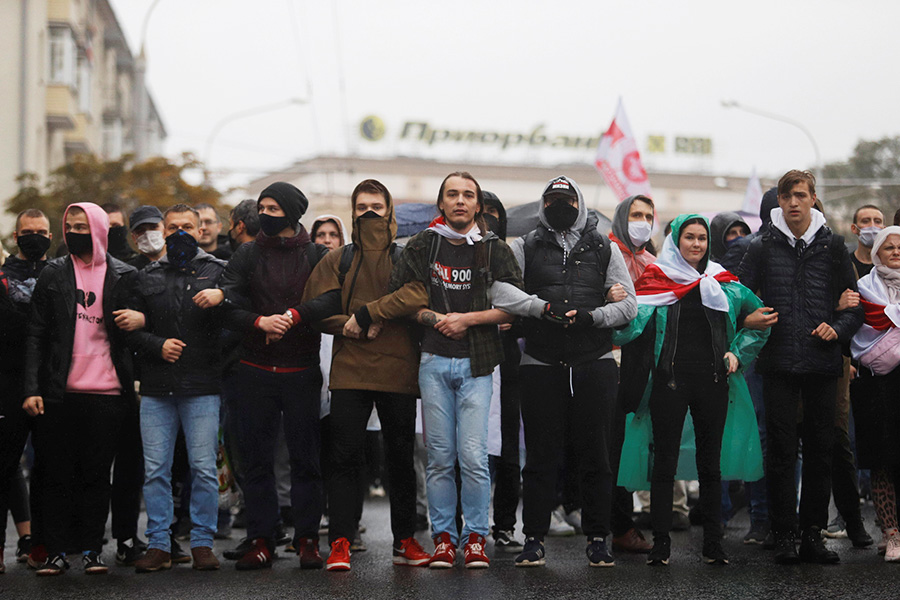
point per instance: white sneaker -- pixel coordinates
(574, 519)
(558, 525)
(892, 550)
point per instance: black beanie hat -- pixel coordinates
(289, 198)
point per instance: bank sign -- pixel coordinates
(373, 129)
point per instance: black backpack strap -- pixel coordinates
(344, 266)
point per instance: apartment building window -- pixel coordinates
(112, 139)
(62, 56)
(85, 90)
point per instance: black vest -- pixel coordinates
(579, 283)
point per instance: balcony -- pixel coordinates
(76, 139)
(61, 107)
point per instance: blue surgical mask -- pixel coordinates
(867, 236)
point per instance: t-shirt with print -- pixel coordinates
(451, 291)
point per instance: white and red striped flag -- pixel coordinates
(619, 161)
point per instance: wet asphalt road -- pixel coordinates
(862, 574)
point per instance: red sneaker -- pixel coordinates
(444, 552)
(259, 556)
(308, 549)
(411, 553)
(339, 559)
(37, 557)
(474, 553)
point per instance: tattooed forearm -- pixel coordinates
(428, 318)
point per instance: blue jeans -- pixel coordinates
(455, 409)
(161, 417)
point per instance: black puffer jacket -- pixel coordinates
(805, 292)
(51, 331)
(164, 293)
(578, 281)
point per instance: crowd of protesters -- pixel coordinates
(257, 359)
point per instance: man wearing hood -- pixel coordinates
(568, 375)
(180, 363)
(632, 225)
(455, 268)
(18, 276)
(79, 382)
(725, 230)
(801, 362)
(277, 377)
(328, 230)
(376, 369)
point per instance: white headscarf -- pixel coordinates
(890, 277)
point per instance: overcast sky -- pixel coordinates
(511, 66)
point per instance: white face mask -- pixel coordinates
(639, 232)
(867, 236)
(151, 242)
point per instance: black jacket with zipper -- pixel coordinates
(164, 293)
(51, 331)
(677, 336)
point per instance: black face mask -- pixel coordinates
(181, 247)
(79, 243)
(118, 241)
(233, 242)
(493, 223)
(369, 214)
(33, 245)
(272, 226)
(561, 215)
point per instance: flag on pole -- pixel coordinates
(753, 195)
(619, 161)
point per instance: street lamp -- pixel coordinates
(769, 115)
(234, 117)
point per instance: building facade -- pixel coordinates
(69, 81)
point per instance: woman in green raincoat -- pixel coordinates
(688, 313)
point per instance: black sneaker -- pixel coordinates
(786, 548)
(176, 554)
(532, 554)
(282, 538)
(23, 548)
(55, 565)
(93, 564)
(662, 549)
(358, 545)
(813, 549)
(242, 548)
(757, 534)
(856, 531)
(127, 553)
(713, 554)
(505, 542)
(598, 553)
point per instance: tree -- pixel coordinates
(157, 182)
(870, 176)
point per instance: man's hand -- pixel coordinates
(34, 405)
(849, 299)
(209, 298)
(275, 324)
(129, 320)
(374, 330)
(505, 326)
(581, 317)
(352, 328)
(273, 337)
(732, 361)
(825, 332)
(616, 293)
(761, 319)
(453, 325)
(853, 372)
(556, 313)
(171, 350)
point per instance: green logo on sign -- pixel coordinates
(371, 128)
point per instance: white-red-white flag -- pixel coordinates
(619, 161)
(753, 195)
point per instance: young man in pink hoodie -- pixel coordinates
(79, 383)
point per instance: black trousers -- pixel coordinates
(623, 500)
(76, 441)
(15, 427)
(707, 398)
(350, 410)
(784, 395)
(568, 405)
(128, 477)
(507, 468)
